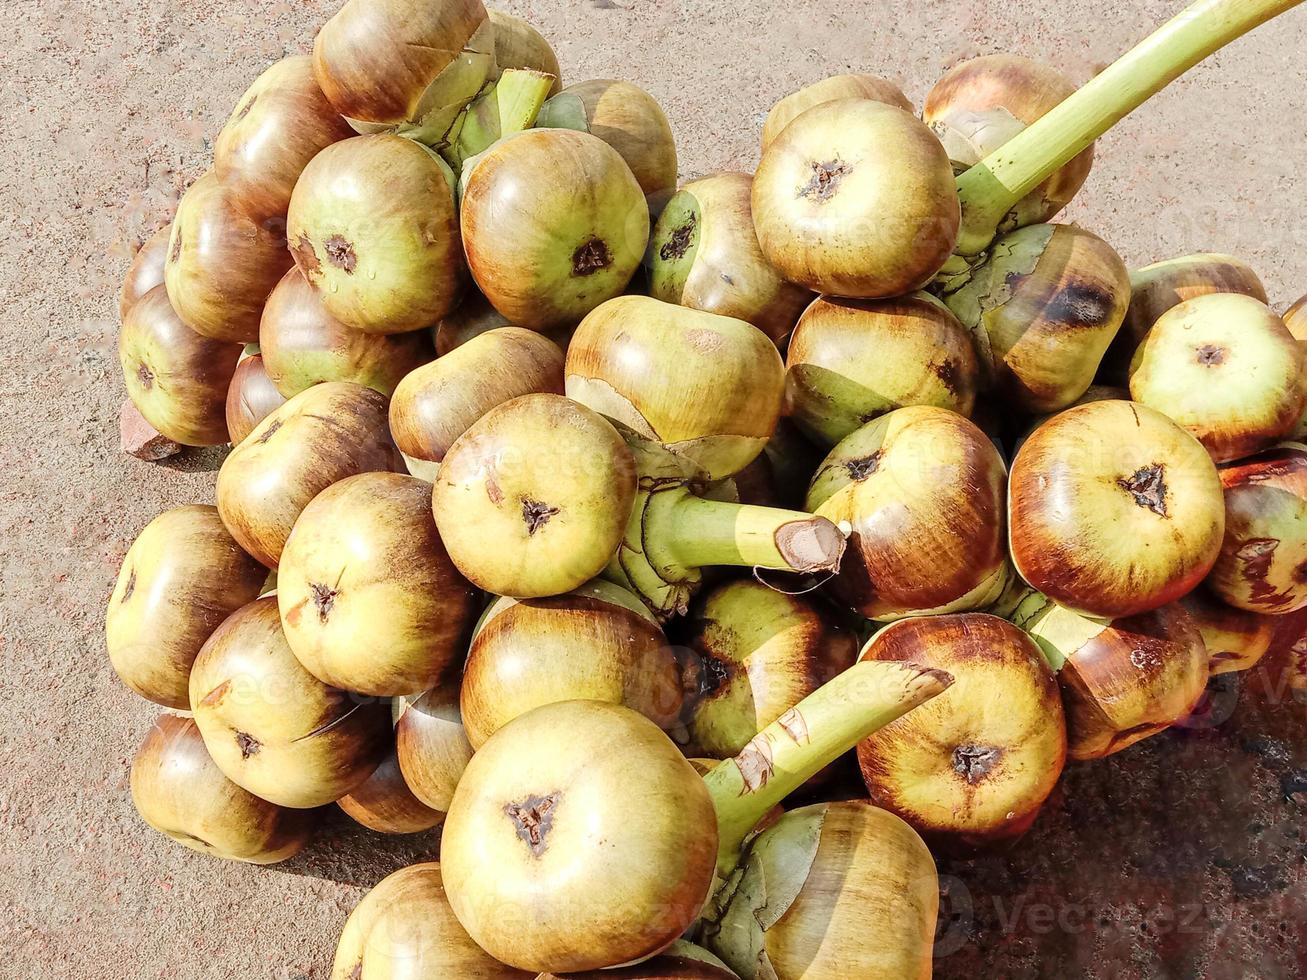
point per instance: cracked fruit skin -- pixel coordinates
(1123, 679)
(1043, 308)
(404, 929)
(755, 653)
(856, 198)
(1263, 562)
(852, 361)
(319, 437)
(704, 254)
(1235, 638)
(554, 224)
(832, 890)
(1114, 509)
(597, 643)
(1226, 368)
(706, 387)
(1157, 288)
(923, 490)
(533, 499)
(281, 123)
(302, 344)
(370, 601)
(979, 105)
(832, 89)
(182, 576)
(251, 397)
(974, 765)
(373, 225)
(272, 727)
(221, 263)
(536, 802)
(176, 378)
(180, 792)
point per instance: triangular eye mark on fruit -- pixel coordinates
(249, 745)
(324, 600)
(145, 376)
(536, 514)
(825, 181)
(341, 254)
(974, 762)
(591, 257)
(864, 466)
(1148, 486)
(533, 818)
(1210, 355)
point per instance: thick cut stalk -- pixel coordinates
(685, 531)
(510, 106)
(807, 738)
(992, 187)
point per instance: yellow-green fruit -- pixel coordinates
(597, 643)
(851, 361)
(384, 261)
(1235, 638)
(832, 89)
(180, 579)
(432, 744)
(704, 254)
(176, 378)
(180, 792)
(856, 198)
(541, 798)
(707, 387)
(922, 489)
(519, 45)
(756, 654)
(834, 890)
(554, 223)
(404, 929)
(369, 598)
(960, 767)
(1226, 368)
(1043, 309)
(534, 498)
(272, 727)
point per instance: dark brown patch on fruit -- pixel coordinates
(145, 376)
(536, 514)
(307, 257)
(974, 762)
(861, 468)
(591, 257)
(1079, 304)
(1148, 486)
(1300, 573)
(270, 431)
(825, 180)
(324, 600)
(1211, 355)
(248, 743)
(533, 818)
(678, 243)
(949, 374)
(245, 109)
(340, 253)
(131, 585)
(714, 673)
(1131, 735)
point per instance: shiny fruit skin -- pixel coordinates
(540, 796)
(709, 388)
(431, 744)
(373, 225)
(976, 765)
(384, 803)
(519, 45)
(180, 792)
(851, 361)
(222, 263)
(704, 254)
(281, 123)
(1235, 638)
(534, 498)
(251, 397)
(832, 89)
(923, 489)
(598, 643)
(755, 654)
(182, 576)
(145, 272)
(438, 402)
(272, 727)
(320, 436)
(1114, 510)
(303, 344)
(554, 224)
(856, 198)
(176, 378)
(1226, 368)
(370, 601)
(1263, 562)
(980, 104)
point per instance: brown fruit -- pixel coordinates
(384, 803)
(519, 45)
(431, 744)
(1235, 639)
(251, 397)
(146, 270)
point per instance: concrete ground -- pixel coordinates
(1181, 858)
